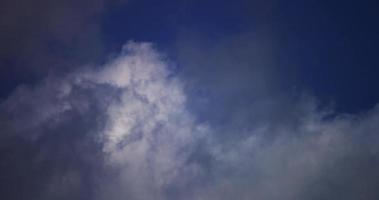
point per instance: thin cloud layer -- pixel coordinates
(125, 130)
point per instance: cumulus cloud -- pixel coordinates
(148, 130)
(132, 107)
(127, 130)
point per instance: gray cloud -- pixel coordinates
(134, 129)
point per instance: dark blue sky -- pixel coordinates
(331, 46)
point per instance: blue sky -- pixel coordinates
(329, 43)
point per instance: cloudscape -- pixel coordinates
(188, 100)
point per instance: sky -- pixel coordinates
(189, 99)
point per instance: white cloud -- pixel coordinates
(148, 128)
(150, 139)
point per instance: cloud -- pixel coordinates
(271, 140)
(129, 129)
(148, 131)
(132, 109)
(320, 158)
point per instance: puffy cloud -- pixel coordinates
(132, 107)
(127, 130)
(148, 130)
